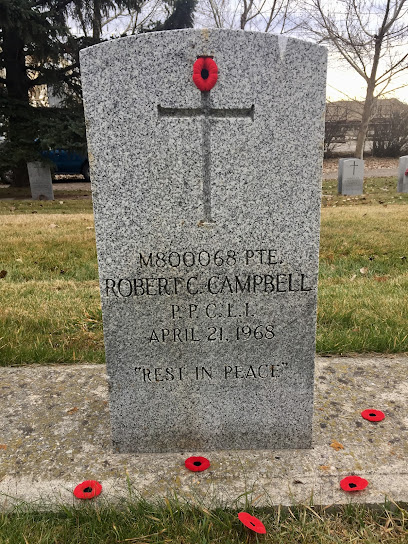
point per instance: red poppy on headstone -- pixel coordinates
(406, 172)
(252, 522)
(373, 415)
(353, 483)
(88, 489)
(205, 73)
(197, 464)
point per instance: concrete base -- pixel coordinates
(54, 433)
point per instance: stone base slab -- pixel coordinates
(55, 433)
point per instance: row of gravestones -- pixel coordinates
(349, 179)
(350, 176)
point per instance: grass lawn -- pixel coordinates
(376, 191)
(50, 311)
(173, 522)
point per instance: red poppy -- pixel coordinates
(88, 489)
(373, 415)
(353, 483)
(205, 73)
(252, 522)
(406, 172)
(197, 464)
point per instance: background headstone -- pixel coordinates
(207, 208)
(339, 175)
(402, 186)
(350, 177)
(40, 181)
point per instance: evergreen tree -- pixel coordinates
(34, 39)
(180, 15)
(36, 48)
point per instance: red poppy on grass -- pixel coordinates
(205, 73)
(197, 464)
(88, 489)
(373, 415)
(252, 522)
(353, 483)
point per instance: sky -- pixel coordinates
(343, 83)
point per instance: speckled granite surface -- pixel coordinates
(402, 186)
(54, 433)
(207, 227)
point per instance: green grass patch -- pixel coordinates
(51, 307)
(363, 280)
(376, 191)
(173, 522)
(49, 322)
(66, 202)
(50, 247)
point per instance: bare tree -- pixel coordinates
(370, 36)
(262, 15)
(390, 131)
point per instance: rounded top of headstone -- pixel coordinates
(201, 37)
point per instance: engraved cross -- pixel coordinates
(354, 165)
(207, 113)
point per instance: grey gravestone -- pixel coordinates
(207, 223)
(339, 175)
(402, 186)
(350, 177)
(40, 181)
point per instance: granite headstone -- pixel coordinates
(40, 178)
(350, 177)
(402, 186)
(207, 207)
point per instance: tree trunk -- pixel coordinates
(369, 101)
(17, 91)
(365, 120)
(20, 176)
(97, 21)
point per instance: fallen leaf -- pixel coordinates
(53, 226)
(353, 277)
(3, 447)
(3, 273)
(90, 228)
(336, 445)
(363, 270)
(324, 467)
(72, 410)
(19, 260)
(61, 202)
(35, 211)
(381, 278)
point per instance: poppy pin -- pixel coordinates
(88, 489)
(205, 73)
(406, 172)
(373, 415)
(197, 464)
(353, 483)
(251, 522)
